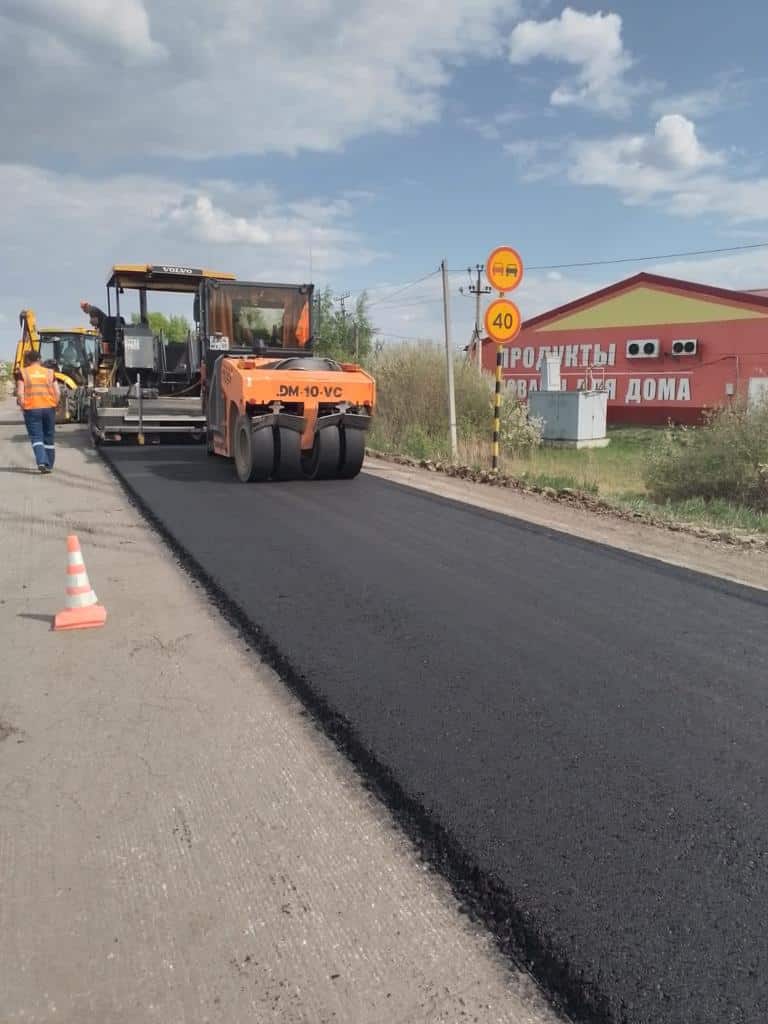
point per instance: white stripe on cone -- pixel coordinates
(81, 600)
(80, 579)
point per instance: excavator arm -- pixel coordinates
(29, 341)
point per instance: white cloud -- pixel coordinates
(643, 164)
(121, 24)
(592, 43)
(63, 232)
(209, 223)
(743, 270)
(670, 167)
(675, 144)
(698, 103)
(235, 76)
(728, 91)
(538, 159)
(491, 128)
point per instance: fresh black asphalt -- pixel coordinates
(582, 734)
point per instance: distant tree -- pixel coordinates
(172, 328)
(363, 326)
(342, 336)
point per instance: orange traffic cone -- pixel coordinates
(82, 610)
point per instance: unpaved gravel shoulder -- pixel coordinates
(178, 842)
(715, 559)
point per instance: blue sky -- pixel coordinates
(381, 139)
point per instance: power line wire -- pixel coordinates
(384, 335)
(645, 259)
(385, 300)
(403, 288)
(415, 302)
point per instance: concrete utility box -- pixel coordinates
(757, 390)
(550, 373)
(575, 419)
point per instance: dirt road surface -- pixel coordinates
(178, 842)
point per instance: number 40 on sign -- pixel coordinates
(502, 321)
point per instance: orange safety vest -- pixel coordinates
(39, 387)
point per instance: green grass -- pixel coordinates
(610, 472)
(715, 513)
(714, 476)
(560, 481)
(614, 473)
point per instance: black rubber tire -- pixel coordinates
(208, 428)
(287, 454)
(254, 452)
(82, 406)
(322, 463)
(95, 439)
(352, 452)
(61, 408)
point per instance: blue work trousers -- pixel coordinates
(41, 427)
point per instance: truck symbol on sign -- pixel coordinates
(506, 271)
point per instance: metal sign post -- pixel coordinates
(497, 409)
(504, 270)
(449, 367)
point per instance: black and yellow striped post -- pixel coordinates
(504, 270)
(497, 408)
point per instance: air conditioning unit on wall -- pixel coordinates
(685, 347)
(644, 348)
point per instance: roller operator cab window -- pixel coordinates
(250, 315)
(258, 323)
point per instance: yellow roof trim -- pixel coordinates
(148, 268)
(68, 330)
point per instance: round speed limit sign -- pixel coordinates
(502, 321)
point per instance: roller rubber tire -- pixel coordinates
(208, 428)
(352, 453)
(95, 439)
(254, 452)
(287, 454)
(322, 463)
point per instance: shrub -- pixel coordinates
(412, 406)
(519, 431)
(6, 379)
(727, 458)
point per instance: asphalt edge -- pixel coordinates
(577, 499)
(481, 897)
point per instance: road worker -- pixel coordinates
(37, 395)
(105, 325)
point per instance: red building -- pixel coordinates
(664, 349)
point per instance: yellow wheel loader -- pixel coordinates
(70, 352)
